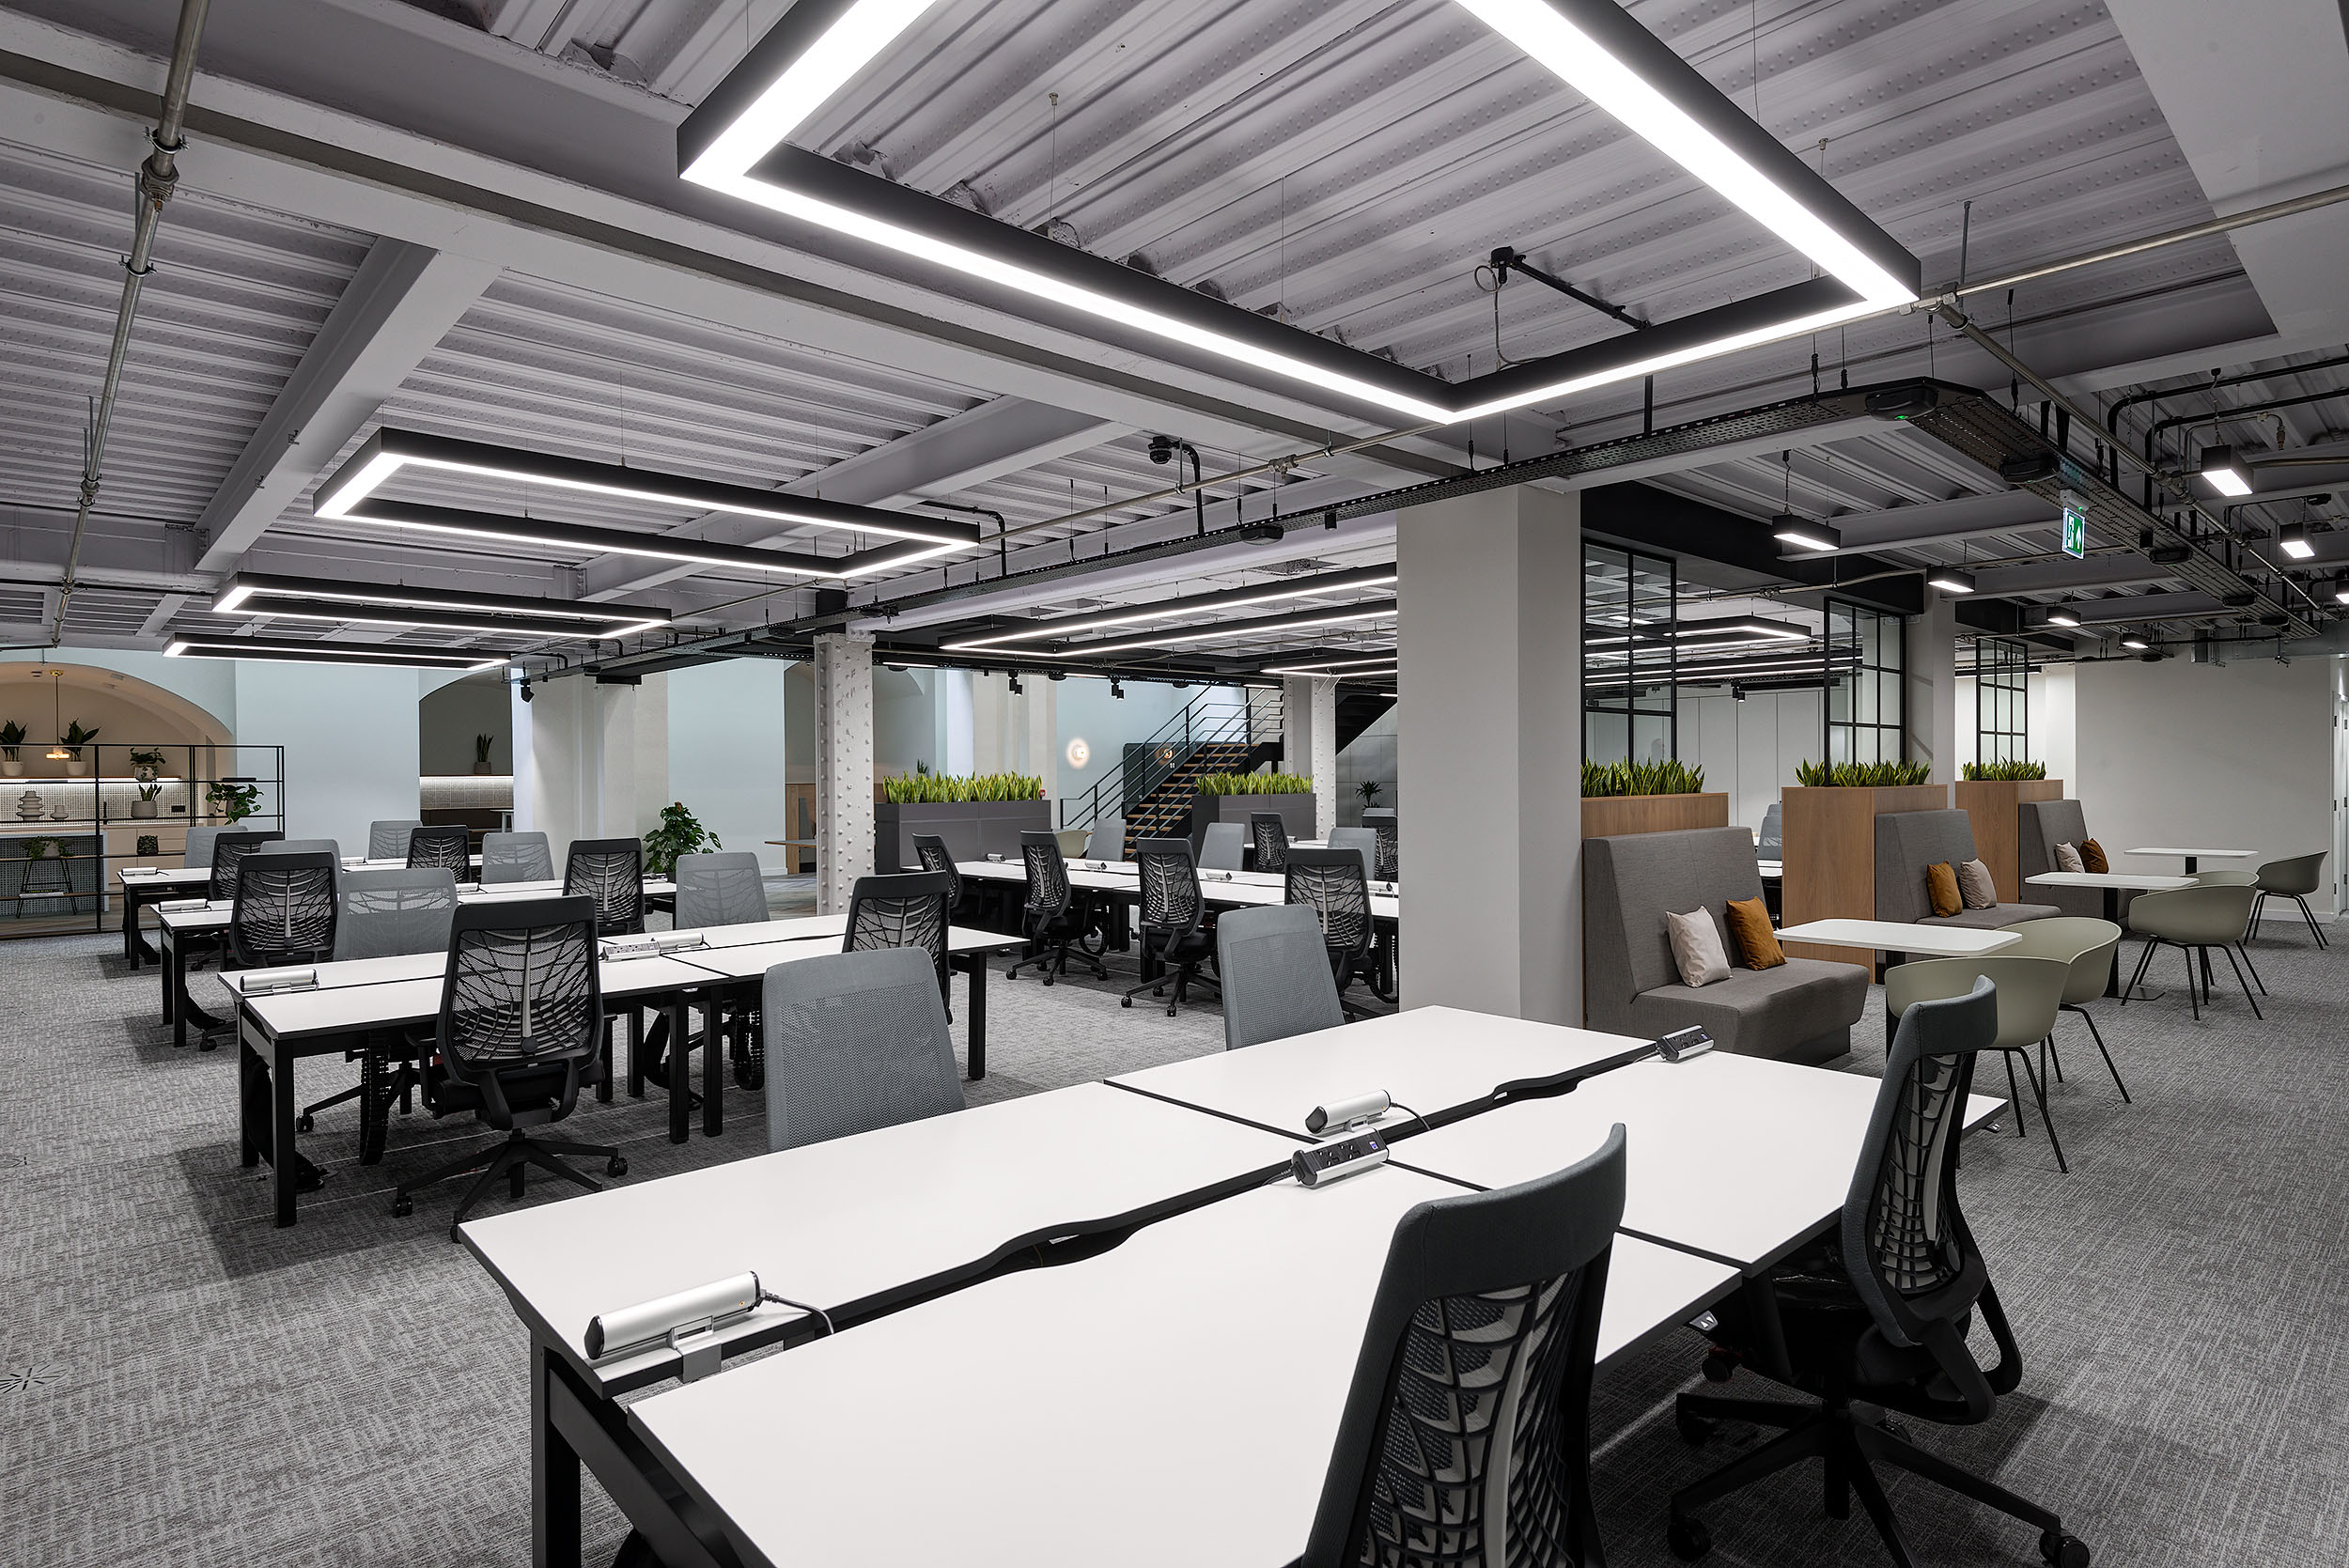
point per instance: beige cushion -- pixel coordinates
(1697, 948)
(2068, 857)
(1975, 886)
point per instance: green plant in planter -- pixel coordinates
(481, 744)
(1860, 775)
(2005, 772)
(148, 844)
(680, 833)
(923, 787)
(1368, 789)
(233, 803)
(1255, 784)
(145, 763)
(39, 847)
(1664, 776)
(75, 737)
(11, 737)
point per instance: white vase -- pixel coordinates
(12, 770)
(142, 808)
(77, 769)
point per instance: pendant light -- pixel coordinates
(56, 708)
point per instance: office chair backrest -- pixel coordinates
(611, 871)
(326, 846)
(1332, 883)
(1363, 841)
(1387, 867)
(1905, 1245)
(1773, 845)
(1170, 885)
(440, 843)
(2293, 878)
(855, 1040)
(198, 855)
(722, 889)
(2082, 942)
(285, 910)
(228, 852)
(906, 909)
(1047, 873)
(1269, 835)
(516, 858)
(934, 856)
(2029, 990)
(388, 912)
(387, 840)
(1275, 974)
(1466, 1433)
(1220, 850)
(1108, 842)
(522, 990)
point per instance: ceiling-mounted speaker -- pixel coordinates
(2027, 468)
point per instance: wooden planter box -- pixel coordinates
(972, 829)
(1610, 816)
(1830, 855)
(1990, 805)
(1296, 814)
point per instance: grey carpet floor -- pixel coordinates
(183, 1382)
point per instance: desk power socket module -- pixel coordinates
(1338, 1159)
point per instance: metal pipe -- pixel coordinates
(157, 178)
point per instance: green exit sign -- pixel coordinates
(2075, 528)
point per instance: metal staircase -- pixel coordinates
(1155, 781)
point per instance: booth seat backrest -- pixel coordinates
(1907, 843)
(1631, 882)
(2040, 826)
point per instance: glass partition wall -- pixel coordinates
(1865, 707)
(2002, 704)
(1630, 614)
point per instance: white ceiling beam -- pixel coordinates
(396, 309)
(161, 615)
(528, 23)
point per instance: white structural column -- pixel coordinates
(1929, 657)
(1309, 741)
(844, 767)
(1488, 753)
(591, 761)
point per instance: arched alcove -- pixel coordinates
(122, 708)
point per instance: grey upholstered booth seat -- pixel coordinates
(2039, 826)
(1908, 842)
(1800, 1012)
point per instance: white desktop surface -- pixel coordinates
(836, 1223)
(742, 960)
(1740, 1156)
(1168, 1403)
(1429, 1058)
(2195, 854)
(1242, 888)
(359, 972)
(1894, 935)
(2141, 880)
(343, 1008)
(795, 929)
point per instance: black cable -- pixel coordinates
(1400, 1105)
(765, 1295)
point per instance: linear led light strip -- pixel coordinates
(391, 604)
(334, 653)
(1222, 630)
(1270, 593)
(1332, 669)
(1591, 45)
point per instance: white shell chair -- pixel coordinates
(2088, 945)
(2194, 920)
(2031, 994)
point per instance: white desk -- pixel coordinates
(859, 1224)
(2194, 858)
(1737, 1156)
(1894, 935)
(1432, 1059)
(1169, 1403)
(1230, 889)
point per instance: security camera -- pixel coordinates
(1161, 448)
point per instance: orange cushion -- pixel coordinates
(2093, 855)
(1757, 944)
(1941, 888)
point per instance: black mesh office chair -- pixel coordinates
(1331, 884)
(1173, 936)
(905, 909)
(1386, 865)
(1877, 1313)
(228, 852)
(855, 1040)
(382, 914)
(934, 856)
(611, 871)
(284, 911)
(1268, 836)
(1055, 915)
(1466, 1435)
(445, 844)
(520, 1033)
(1274, 972)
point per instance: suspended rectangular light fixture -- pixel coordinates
(378, 654)
(1221, 630)
(1801, 534)
(2341, 589)
(1138, 614)
(2131, 640)
(349, 494)
(2293, 540)
(2220, 471)
(1333, 667)
(2064, 615)
(311, 598)
(1740, 629)
(736, 142)
(1950, 580)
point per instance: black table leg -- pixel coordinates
(554, 1525)
(130, 928)
(976, 965)
(167, 979)
(285, 1164)
(175, 994)
(248, 1133)
(636, 1053)
(713, 1066)
(680, 1077)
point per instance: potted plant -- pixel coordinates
(481, 744)
(1659, 797)
(1827, 826)
(1236, 797)
(143, 765)
(1992, 795)
(150, 847)
(680, 833)
(231, 802)
(976, 813)
(11, 737)
(1368, 789)
(74, 739)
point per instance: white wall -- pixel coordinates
(905, 725)
(1749, 749)
(726, 752)
(2236, 756)
(350, 736)
(1085, 710)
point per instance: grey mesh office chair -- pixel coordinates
(1365, 841)
(906, 909)
(1332, 883)
(1772, 845)
(932, 853)
(387, 840)
(228, 851)
(2295, 878)
(1465, 1438)
(1221, 849)
(724, 888)
(285, 908)
(1055, 914)
(1275, 973)
(855, 1040)
(611, 871)
(1877, 1315)
(198, 855)
(1108, 842)
(445, 843)
(516, 858)
(383, 914)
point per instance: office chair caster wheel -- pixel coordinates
(1124, 1002)
(1688, 1538)
(1694, 1429)
(616, 1166)
(402, 1208)
(302, 1123)
(2063, 1551)
(1719, 1366)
